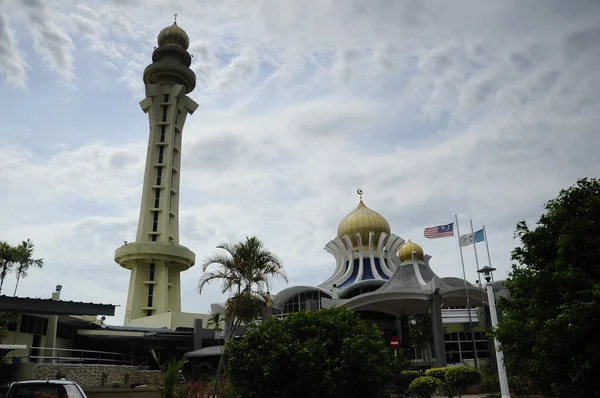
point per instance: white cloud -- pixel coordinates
(433, 108)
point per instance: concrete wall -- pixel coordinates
(148, 392)
(97, 375)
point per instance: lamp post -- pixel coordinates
(487, 274)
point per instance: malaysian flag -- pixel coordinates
(440, 231)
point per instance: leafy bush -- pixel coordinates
(489, 384)
(404, 378)
(440, 375)
(424, 386)
(459, 378)
(329, 352)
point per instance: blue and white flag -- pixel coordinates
(470, 238)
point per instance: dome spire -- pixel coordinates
(175, 18)
(363, 221)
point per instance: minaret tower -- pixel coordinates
(156, 258)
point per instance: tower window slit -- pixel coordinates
(150, 295)
(165, 97)
(164, 114)
(152, 269)
(156, 198)
(153, 238)
(163, 133)
(161, 152)
(155, 222)
(159, 176)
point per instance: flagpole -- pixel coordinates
(462, 261)
(485, 324)
(487, 248)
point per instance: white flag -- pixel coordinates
(467, 239)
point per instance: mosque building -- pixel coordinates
(388, 280)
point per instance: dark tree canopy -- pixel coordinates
(326, 353)
(550, 331)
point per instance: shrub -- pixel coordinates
(440, 375)
(489, 384)
(459, 378)
(404, 378)
(424, 386)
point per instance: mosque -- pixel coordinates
(378, 274)
(387, 280)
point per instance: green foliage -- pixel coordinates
(459, 378)
(550, 322)
(18, 258)
(404, 378)
(440, 375)
(424, 386)
(421, 331)
(170, 378)
(6, 320)
(489, 384)
(244, 270)
(326, 353)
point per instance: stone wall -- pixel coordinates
(122, 392)
(98, 375)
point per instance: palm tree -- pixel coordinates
(7, 261)
(215, 320)
(24, 260)
(244, 270)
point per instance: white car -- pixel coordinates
(42, 389)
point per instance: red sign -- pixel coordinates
(394, 342)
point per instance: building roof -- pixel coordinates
(31, 305)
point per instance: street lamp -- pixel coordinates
(487, 274)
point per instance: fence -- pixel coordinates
(72, 356)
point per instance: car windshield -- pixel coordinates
(45, 390)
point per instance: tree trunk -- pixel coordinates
(17, 285)
(236, 325)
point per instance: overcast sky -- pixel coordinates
(481, 108)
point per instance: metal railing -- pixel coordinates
(73, 356)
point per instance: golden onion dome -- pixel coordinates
(173, 35)
(363, 220)
(406, 250)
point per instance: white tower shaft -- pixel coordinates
(156, 259)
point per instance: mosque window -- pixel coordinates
(164, 114)
(33, 325)
(459, 346)
(299, 301)
(159, 176)
(156, 198)
(166, 98)
(161, 152)
(163, 133)
(155, 222)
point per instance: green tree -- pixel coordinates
(24, 261)
(549, 329)
(244, 270)
(421, 333)
(326, 353)
(7, 261)
(216, 321)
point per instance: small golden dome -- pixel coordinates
(406, 250)
(173, 35)
(363, 220)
